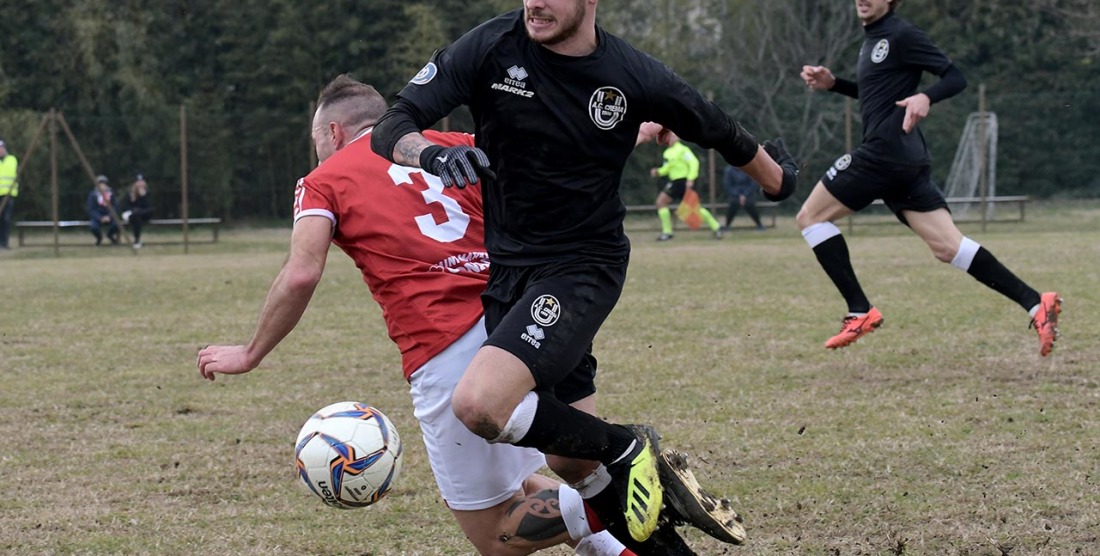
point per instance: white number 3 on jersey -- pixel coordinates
(451, 229)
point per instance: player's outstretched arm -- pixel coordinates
(774, 169)
(286, 302)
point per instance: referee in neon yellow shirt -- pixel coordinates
(680, 170)
(9, 190)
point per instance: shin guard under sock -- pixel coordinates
(986, 269)
(563, 430)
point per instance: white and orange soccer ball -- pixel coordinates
(348, 454)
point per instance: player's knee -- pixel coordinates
(944, 254)
(943, 251)
(469, 409)
(804, 219)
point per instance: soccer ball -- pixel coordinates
(348, 454)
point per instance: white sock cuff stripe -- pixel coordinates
(816, 234)
(967, 249)
(572, 513)
(520, 421)
(594, 483)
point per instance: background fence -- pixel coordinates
(1046, 149)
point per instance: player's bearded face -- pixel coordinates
(549, 26)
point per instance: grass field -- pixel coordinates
(944, 433)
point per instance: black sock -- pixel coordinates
(562, 430)
(833, 256)
(986, 269)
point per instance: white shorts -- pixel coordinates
(471, 473)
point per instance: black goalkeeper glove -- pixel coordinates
(457, 166)
(778, 151)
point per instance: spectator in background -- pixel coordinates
(9, 190)
(742, 193)
(101, 211)
(680, 170)
(138, 209)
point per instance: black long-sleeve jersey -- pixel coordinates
(892, 59)
(558, 131)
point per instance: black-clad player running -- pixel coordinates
(557, 104)
(892, 164)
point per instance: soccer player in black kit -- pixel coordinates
(892, 164)
(557, 103)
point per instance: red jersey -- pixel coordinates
(420, 246)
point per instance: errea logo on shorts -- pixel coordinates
(546, 310)
(840, 165)
(881, 51)
(607, 107)
(533, 335)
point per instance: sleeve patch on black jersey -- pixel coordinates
(426, 74)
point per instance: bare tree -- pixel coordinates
(769, 43)
(1083, 19)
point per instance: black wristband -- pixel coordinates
(428, 155)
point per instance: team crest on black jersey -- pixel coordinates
(881, 50)
(607, 107)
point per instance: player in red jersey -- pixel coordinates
(421, 251)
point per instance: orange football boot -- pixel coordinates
(854, 328)
(1045, 321)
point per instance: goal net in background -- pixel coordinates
(964, 180)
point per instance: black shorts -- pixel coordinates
(857, 181)
(548, 316)
(675, 188)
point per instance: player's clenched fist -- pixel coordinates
(818, 78)
(457, 166)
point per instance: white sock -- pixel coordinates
(816, 234)
(572, 513)
(967, 249)
(1033, 310)
(520, 422)
(600, 544)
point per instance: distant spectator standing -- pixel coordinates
(9, 190)
(138, 209)
(680, 170)
(742, 193)
(101, 204)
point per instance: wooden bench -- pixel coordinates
(23, 226)
(1020, 201)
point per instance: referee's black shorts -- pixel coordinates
(856, 181)
(548, 316)
(675, 188)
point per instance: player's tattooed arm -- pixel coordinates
(408, 148)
